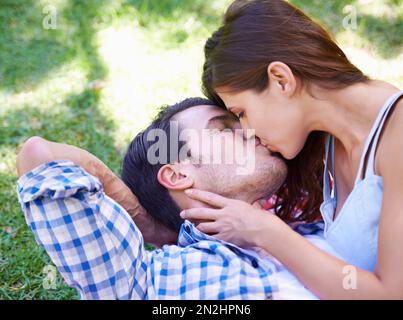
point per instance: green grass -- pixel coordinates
(98, 78)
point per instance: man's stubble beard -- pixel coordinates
(268, 176)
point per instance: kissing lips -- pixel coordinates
(272, 153)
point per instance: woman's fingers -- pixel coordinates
(210, 228)
(210, 198)
(199, 214)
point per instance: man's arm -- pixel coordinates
(91, 239)
(37, 151)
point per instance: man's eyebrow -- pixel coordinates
(223, 118)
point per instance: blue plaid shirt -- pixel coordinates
(99, 250)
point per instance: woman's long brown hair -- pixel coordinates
(256, 33)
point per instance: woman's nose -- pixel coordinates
(244, 124)
(248, 133)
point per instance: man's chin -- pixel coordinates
(269, 178)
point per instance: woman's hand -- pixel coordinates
(233, 221)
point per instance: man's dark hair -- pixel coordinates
(141, 176)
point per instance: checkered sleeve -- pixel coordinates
(91, 239)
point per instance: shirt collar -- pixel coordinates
(189, 234)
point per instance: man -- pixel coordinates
(99, 250)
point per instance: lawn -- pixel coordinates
(98, 78)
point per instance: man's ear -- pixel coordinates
(282, 78)
(171, 177)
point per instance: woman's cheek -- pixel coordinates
(299, 142)
(260, 124)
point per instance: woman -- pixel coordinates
(283, 75)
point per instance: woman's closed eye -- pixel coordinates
(241, 115)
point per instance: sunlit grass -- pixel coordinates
(369, 61)
(141, 79)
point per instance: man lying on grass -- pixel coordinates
(70, 201)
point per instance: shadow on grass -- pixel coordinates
(28, 52)
(152, 11)
(177, 20)
(385, 34)
(76, 121)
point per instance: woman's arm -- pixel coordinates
(36, 151)
(325, 275)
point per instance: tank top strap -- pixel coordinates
(326, 182)
(329, 151)
(373, 138)
(333, 167)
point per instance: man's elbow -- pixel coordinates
(34, 152)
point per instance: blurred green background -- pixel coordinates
(98, 78)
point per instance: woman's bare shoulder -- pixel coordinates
(390, 148)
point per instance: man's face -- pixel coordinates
(221, 148)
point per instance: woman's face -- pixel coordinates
(278, 119)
